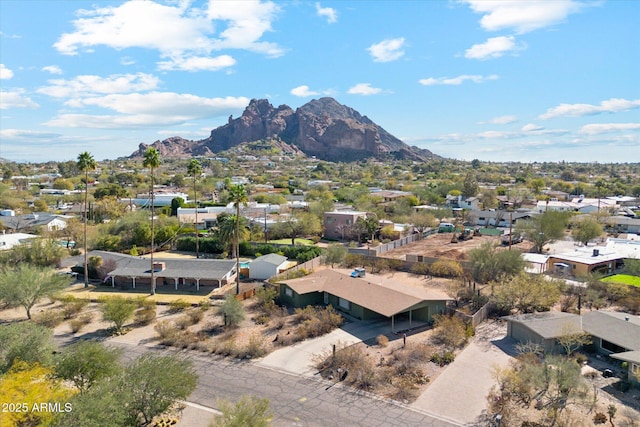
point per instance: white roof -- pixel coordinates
(273, 259)
(8, 241)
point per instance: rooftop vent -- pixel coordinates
(596, 252)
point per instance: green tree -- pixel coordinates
(248, 411)
(367, 227)
(154, 383)
(152, 161)
(26, 284)
(117, 310)
(62, 184)
(30, 384)
(572, 338)
(176, 202)
(232, 311)
(195, 170)
(470, 186)
(238, 196)
(334, 254)
(226, 231)
(586, 229)
(488, 263)
(109, 190)
(101, 406)
(543, 228)
(85, 163)
(527, 293)
(298, 225)
(39, 252)
(449, 331)
(25, 341)
(537, 184)
(87, 362)
(422, 221)
(632, 266)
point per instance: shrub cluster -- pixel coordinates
(77, 324)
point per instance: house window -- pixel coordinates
(348, 222)
(329, 220)
(343, 303)
(614, 348)
(288, 292)
(481, 218)
(635, 368)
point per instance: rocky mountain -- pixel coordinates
(323, 128)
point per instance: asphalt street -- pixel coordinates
(294, 400)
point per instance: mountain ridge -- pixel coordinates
(322, 127)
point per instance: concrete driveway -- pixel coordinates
(460, 391)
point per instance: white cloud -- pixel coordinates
(522, 16)
(613, 105)
(364, 89)
(150, 109)
(328, 12)
(494, 47)
(531, 127)
(21, 134)
(201, 63)
(53, 69)
(174, 31)
(89, 84)
(432, 81)
(15, 99)
(303, 91)
(5, 73)
(387, 50)
(503, 120)
(127, 60)
(598, 128)
(248, 21)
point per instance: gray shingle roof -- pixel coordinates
(130, 266)
(612, 326)
(273, 259)
(550, 324)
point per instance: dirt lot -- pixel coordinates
(440, 246)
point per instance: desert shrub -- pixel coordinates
(255, 347)
(262, 319)
(167, 332)
(317, 322)
(354, 260)
(599, 418)
(382, 340)
(145, 315)
(302, 314)
(443, 359)
(420, 269)
(227, 347)
(404, 389)
(195, 315)
(446, 268)
(178, 306)
(143, 302)
(278, 322)
(183, 322)
(266, 298)
(450, 331)
(71, 308)
(350, 363)
(77, 324)
(49, 318)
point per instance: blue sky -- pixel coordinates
(494, 80)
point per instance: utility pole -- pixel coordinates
(510, 228)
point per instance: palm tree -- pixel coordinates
(226, 231)
(86, 162)
(152, 161)
(195, 170)
(237, 196)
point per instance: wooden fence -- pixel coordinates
(474, 319)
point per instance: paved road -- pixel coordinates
(295, 400)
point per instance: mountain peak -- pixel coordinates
(322, 127)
